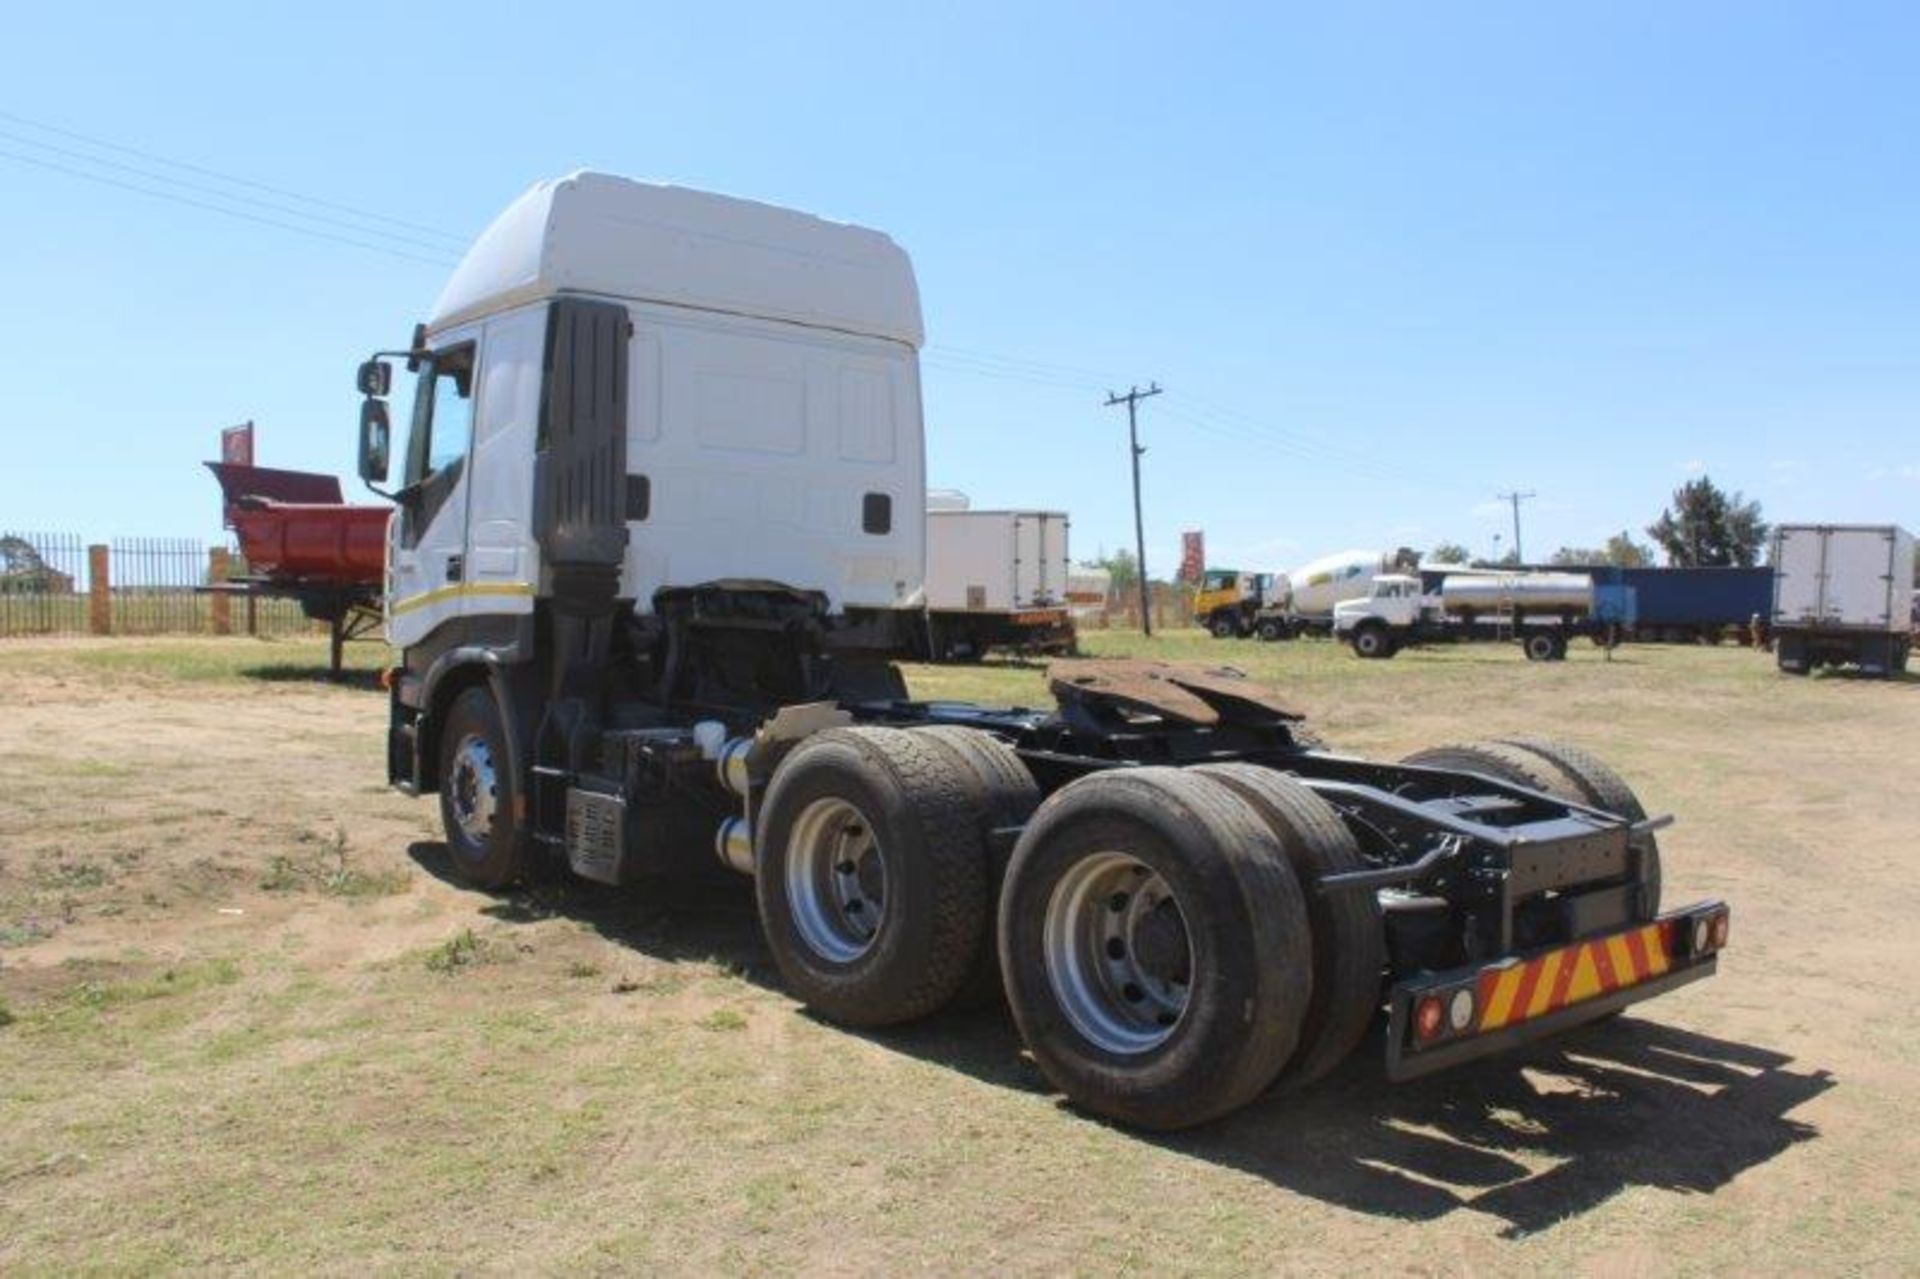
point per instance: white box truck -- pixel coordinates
(995, 579)
(1840, 595)
(658, 529)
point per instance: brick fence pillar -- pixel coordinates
(219, 604)
(99, 591)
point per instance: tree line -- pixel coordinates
(1702, 527)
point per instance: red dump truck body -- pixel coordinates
(293, 526)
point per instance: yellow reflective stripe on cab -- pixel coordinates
(426, 598)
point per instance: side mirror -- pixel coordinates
(376, 441)
(375, 378)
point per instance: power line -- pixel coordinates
(457, 240)
(217, 193)
(218, 208)
(1132, 400)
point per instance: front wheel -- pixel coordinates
(1156, 947)
(1224, 627)
(479, 794)
(1373, 642)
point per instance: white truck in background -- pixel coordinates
(995, 579)
(1840, 596)
(1539, 610)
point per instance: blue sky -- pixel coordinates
(1386, 259)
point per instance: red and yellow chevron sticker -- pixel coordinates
(1573, 974)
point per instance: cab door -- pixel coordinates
(428, 535)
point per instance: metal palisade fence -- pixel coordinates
(59, 584)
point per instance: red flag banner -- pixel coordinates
(1193, 555)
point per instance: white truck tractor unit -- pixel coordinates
(1540, 611)
(660, 531)
(1841, 596)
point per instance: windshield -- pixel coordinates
(442, 414)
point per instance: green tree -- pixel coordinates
(1620, 550)
(1570, 556)
(1627, 553)
(1122, 570)
(1449, 553)
(1705, 528)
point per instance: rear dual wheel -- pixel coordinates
(1162, 960)
(870, 874)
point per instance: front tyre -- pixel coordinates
(1155, 947)
(479, 794)
(1373, 641)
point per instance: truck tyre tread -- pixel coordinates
(500, 860)
(1349, 941)
(1588, 780)
(1007, 797)
(920, 801)
(1495, 759)
(1251, 962)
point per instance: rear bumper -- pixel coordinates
(1526, 997)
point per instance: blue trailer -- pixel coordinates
(1691, 605)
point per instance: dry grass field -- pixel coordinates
(246, 1023)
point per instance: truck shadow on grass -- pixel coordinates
(1533, 1138)
(299, 673)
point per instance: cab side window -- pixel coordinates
(442, 414)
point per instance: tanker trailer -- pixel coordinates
(1540, 611)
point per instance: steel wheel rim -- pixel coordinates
(1118, 953)
(836, 880)
(473, 788)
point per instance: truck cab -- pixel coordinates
(1394, 605)
(1228, 599)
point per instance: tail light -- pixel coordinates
(1429, 1019)
(1445, 1014)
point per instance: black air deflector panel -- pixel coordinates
(580, 458)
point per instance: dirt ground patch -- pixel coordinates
(246, 1022)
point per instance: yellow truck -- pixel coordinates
(1228, 600)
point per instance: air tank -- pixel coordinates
(1517, 592)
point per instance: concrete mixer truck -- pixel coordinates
(1302, 601)
(1541, 611)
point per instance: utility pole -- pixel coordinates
(1132, 400)
(1516, 498)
